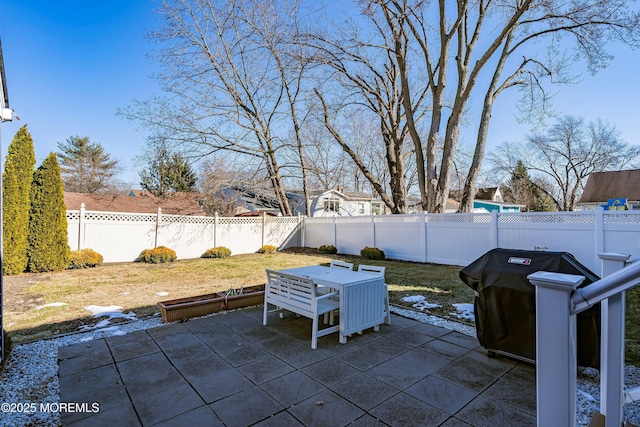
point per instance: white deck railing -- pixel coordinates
(558, 301)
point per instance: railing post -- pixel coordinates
(612, 330)
(555, 348)
(81, 219)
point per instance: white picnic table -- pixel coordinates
(361, 296)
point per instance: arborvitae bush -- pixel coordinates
(157, 255)
(217, 252)
(16, 186)
(372, 253)
(327, 249)
(84, 258)
(267, 249)
(48, 243)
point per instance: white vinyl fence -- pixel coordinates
(455, 239)
(458, 239)
(120, 237)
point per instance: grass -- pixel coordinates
(134, 287)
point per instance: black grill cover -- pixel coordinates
(505, 308)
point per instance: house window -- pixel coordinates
(376, 208)
(331, 205)
(360, 208)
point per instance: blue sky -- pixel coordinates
(71, 64)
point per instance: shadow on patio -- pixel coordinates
(229, 370)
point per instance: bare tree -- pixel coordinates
(368, 66)
(218, 176)
(240, 70)
(460, 40)
(565, 155)
(233, 69)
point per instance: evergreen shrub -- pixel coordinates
(48, 243)
(267, 249)
(84, 258)
(157, 255)
(16, 188)
(217, 252)
(327, 249)
(372, 253)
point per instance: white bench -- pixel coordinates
(299, 295)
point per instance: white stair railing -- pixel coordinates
(558, 301)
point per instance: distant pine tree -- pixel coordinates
(48, 243)
(16, 185)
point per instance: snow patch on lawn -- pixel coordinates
(420, 302)
(465, 311)
(110, 311)
(51, 304)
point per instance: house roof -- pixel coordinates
(136, 202)
(256, 198)
(486, 193)
(602, 186)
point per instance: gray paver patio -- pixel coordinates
(229, 370)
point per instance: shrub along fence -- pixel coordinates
(458, 239)
(120, 237)
(455, 239)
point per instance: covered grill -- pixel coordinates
(505, 308)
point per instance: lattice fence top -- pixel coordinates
(283, 220)
(187, 219)
(119, 217)
(622, 218)
(240, 220)
(547, 218)
(398, 218)
(460, 218)
(173, 219)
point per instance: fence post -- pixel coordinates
(424, 228)
(612, 327)
(215, 229)
(155, 240)
(494, 229)
(335, 232)
(302, 222)
(373, 225)
(264, 220)
(81, 218)
(556, 358)
(599, 235)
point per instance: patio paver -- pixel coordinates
(230, 370)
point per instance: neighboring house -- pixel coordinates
(252, 199)
(614, 190)
(136, 202)
(490, 199)
(337, 203)
(322, 203)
